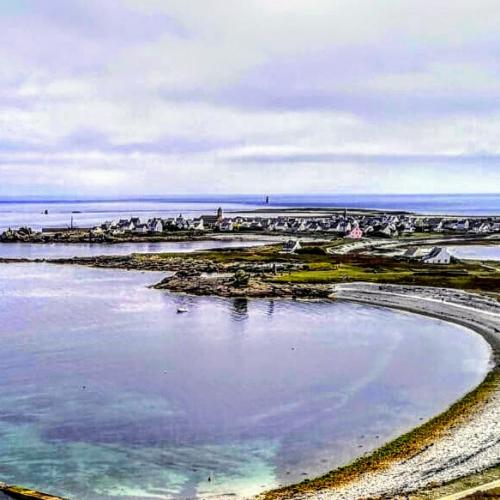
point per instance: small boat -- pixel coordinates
(182, 310)
(25, 493)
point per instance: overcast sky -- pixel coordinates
(131, 97)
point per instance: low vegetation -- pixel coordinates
(320, 267)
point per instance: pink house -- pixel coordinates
(355, 234)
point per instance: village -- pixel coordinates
(401, 234)
(342, 225)
(338, 224)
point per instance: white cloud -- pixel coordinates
(178, 91)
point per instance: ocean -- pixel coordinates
(17, 212)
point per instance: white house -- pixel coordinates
(281, 226)
(291, 246)
(226, 225)
(438, 256)
(141, 229)
(156, 226)
(197, 224)
(133, 223)
(483, 228)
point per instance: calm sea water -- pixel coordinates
(16, 213)
(448, 204)
(476, 252)
(107, 393)
(90, 213)
(59, 250)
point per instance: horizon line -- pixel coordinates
(201, 197)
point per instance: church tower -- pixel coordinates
(219, 213)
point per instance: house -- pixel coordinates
(133, 223)
(438, 256)
(299, 226)
(434, 225)
(482, 228)
(388, 230)
(406, 227)
(155, 226)
(291, 246)
(197, 225)
(355, 234)
(180, 222)
(313, 226)
(119, 226)
(437, 226)
(141, 229)
(462, 225)
(281, 226)
(226, 225)
(256, 225)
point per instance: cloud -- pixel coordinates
(253, 96)
(368, 159)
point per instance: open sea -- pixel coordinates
(15, 213)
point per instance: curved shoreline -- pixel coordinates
(462, 440)
(473, 311)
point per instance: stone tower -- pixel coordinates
(219, 213)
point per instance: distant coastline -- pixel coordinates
(452, 204)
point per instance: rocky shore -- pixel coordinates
(240, 285)
(24, 235)
(465, 447)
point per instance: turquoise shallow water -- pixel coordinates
(107, 393)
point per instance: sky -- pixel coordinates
(158, 97)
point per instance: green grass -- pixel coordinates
(384, 270)
(324, 273)
(323, 268)
(260, 254)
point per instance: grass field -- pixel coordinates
(469, 276)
